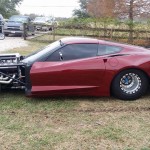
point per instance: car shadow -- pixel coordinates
(14, 35)
(21, 93)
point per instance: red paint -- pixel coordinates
(90, 76)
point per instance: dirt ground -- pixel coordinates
(12, 42)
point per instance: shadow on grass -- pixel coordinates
(21, 93)
(16, 100)
(36, 100)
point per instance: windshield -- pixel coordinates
(18, 19)
(40, 19)
(42, 52)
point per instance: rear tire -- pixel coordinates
(130, 84)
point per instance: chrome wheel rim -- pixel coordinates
(130, 83)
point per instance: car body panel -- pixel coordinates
(78, 75)
(124, 63)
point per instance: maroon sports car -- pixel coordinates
(79, 66)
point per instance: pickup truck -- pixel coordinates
(44, 23)
(15, 25)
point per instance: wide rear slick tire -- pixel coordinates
(130, 84)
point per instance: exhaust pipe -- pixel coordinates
(7, 82)
(3, 79)
(11, 79)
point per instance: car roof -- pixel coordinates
(20, 16)
(79, 40)
(86, 40)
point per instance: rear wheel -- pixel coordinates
(130, 84)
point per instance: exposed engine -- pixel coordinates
(11, 71)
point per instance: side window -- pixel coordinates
(107, 49)
(74, 51)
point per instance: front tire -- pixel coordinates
(130, 84)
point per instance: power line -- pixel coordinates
(49, 6)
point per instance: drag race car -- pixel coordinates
(79, 66)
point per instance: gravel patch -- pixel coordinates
(11, 43)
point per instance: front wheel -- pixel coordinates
(129, 84)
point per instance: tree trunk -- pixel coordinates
(131, 22)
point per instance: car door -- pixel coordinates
(73, 68)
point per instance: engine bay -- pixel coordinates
(12, 71)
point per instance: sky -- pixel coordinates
(56, 8)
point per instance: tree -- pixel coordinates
(101, 8)
(8, 7)
(95, 8)
(82, 12)
(130, 10)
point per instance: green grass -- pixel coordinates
(74, 123)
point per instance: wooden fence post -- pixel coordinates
(24, 31)
(53, 33)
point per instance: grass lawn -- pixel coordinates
(72, 123)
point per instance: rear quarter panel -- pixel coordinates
(141, 62)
